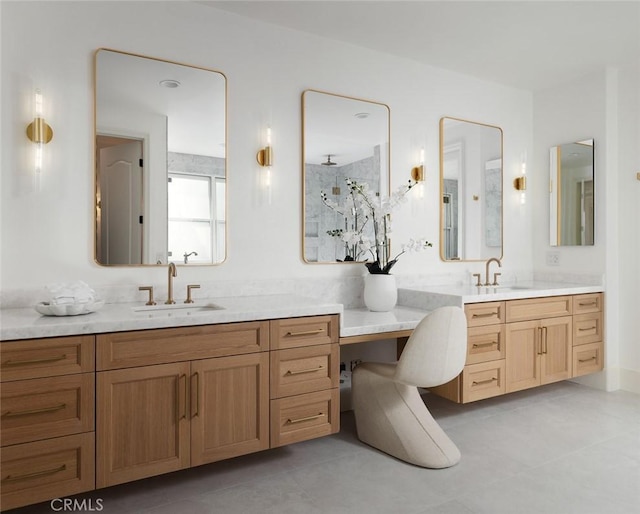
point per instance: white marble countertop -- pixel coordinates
(463, 294)
(355, 322)
(26, 323)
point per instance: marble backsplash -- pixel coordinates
(345, 290)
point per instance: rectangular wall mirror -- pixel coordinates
(572, 194)
(342, 138)
(160, 168)
(470, 190)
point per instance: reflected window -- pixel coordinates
(196, 229)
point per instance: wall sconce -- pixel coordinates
(265, 155)
(417, 174)
(520, 183)
(265, 159)
(38, 131)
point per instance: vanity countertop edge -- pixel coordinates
(26, 323)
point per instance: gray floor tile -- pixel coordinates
(557, 449)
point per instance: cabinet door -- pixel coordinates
(229, 407)
(556, 352)
(142, 425)
(523, 355)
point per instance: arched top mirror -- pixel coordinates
(342, 138)
(470, 190)
(160, 169)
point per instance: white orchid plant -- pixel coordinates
(366, 214)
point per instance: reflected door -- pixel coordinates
(120, 203)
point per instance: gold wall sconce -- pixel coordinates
(265, 155)
(38, 131)
(417, 172)
(520, 183)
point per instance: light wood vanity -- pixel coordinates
(518, 344)
(85, 412)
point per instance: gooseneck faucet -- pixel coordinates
(495, 276)
(187, 255)
(173, 272)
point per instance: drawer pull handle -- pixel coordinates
(587, 360)
(302, 371)
(26, 362)
(588, 304)
(486, 315)
(305, 333)
(482, 382)
(55, 408)
(26, 476)
(585, 329)
(302, 420)
(484, 345)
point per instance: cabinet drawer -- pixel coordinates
(587, 328)
(585, 303)
(146, 347)
(296, 332)
(35, 358)
(306, 416)
(303, 370)
(483, 380)
(54, 468)
(537, 308)
(47, 407)
(485, 343)
(588, 358)
(480, 314)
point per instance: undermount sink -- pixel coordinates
(512, 288)
(176, 309)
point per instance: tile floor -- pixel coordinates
(558, 449)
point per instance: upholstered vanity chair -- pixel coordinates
(390, 414)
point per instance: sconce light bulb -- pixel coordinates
(523, 198)
(268, 136)
(38, 157)
(38, 104)
(421, 156)
(421, 190)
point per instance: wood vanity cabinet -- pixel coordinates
(47, 423)
(484, 373)
(305, 379)
(180, 397)
(588, 330)
(539, 350)
(518, 344)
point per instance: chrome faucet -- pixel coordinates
(495, 275)
(173, 272)
(187, 255)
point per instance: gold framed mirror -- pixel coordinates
(470, 190)
(342, 138)
(572, 194)
(160, 161)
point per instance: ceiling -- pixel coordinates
(530, 45)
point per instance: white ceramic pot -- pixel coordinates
(380, 292)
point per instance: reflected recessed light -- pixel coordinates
(171, 84)
(361, 115)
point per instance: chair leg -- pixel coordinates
(393, 418)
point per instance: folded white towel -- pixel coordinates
(70, 293)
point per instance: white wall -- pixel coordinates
(605, 107)
(47, 235)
